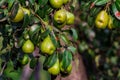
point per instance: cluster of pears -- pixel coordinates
(55, 64)
(57, 67)
(63, 17)
(104, 20)
(46, 45)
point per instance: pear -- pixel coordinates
(101, 20)
(55, 69)
(60, 16)
(56, 3)
(47, 46)
(110, 23)
(65, 1)
(67, 70)
(70, 18)
(19, 15)
(28, 46)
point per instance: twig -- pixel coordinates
(1, 72)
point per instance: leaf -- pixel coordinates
(10, 67)
(45, 33)
(83, 46)
(1, 42)
(74, 34)
(53, 38)
(117, 3)
(32, 2)
(115, 11)
(42, 2)
(33, 63)
(1, 64)
(72, 49)
(13, 75)
(10, 3)
(50, 61)
(101, 2)
(67, 58)
(26, 20)
(64, 38)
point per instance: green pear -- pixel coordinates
(47, 46)
(110, 22)
(67, 70)
(56, 3)
(60, 16)
(70, 18)
(28, 46)
(55, 69)
(101, 20)
(65, 1)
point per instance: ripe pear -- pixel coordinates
(101, 20)
(67, 70)
(28, 46)
(56, 3)
(47, 46)
(60, 16)
(65, 1)
(19, 15)
(55, 69)
(70, 18)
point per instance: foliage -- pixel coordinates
(100, 48)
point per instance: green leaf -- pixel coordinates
(33, 63)
(45, 33)
(74, 34)
(64, 38)
(115, 11)
(32, 2)
(66, 60)
(1, 63)
(26, 20)
(52, 37)
(1, 42)
(101, 2)
(50, 61)
(13, 75)
(83, 46)
(10, 3)
(117, 3)
(10, 67)
(42, 2)
(72, 49)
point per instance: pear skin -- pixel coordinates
(55, 69)
(47, 46)
(101, 20)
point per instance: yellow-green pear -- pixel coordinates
(28, 46)
(101, 20)
(47, 46)
(110, 23)
(55, 69)
(68, 69)
(70, 18)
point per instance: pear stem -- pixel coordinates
(107, 5)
